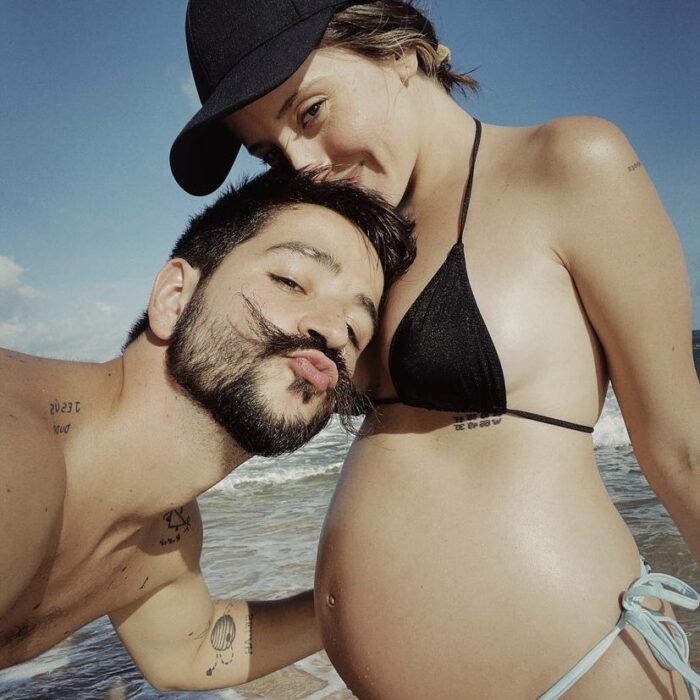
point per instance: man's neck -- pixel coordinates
(128, 435)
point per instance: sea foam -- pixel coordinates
(610, 430)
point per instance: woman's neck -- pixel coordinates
(447, 135)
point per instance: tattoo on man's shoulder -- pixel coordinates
(471, 421)
(634, 166)
(223, 632)
(178, 524)
(57, 408)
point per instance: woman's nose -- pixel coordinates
(306, 154)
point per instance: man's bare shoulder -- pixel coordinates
(32, 489)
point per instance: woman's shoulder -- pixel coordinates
(578, 151)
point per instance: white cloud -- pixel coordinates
(76, 322)
(10, 284)
(88, 330)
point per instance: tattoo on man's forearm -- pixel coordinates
(248, 644)
(470, 421)
(223, 632)
(61, 429)
(634, 166)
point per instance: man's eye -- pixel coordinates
(286, 282)
(311, 113)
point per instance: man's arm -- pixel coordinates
(181, 639)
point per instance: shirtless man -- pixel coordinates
(251, 337)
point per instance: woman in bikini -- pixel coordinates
(471, 549)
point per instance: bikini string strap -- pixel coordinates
(663, 635)
(466, 197)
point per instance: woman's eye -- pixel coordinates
(353, 337)
(286, 282)
(273, 157)
(311, 113)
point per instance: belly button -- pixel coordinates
(330, 600)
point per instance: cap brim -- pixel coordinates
(204, 151)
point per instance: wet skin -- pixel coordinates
(485, 562)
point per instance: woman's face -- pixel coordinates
(350, 115)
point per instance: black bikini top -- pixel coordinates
(442, 356)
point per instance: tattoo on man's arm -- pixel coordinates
(223, 632)
(178, 524)
(248, 644)
(634, 166)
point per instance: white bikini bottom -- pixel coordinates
(664, 636)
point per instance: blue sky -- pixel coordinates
(94, 91)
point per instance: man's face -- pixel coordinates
(269, 344)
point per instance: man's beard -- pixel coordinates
(221, 371)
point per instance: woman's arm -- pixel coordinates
(625, 258)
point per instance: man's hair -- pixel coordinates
(240, 212)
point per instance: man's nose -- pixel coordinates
(327, 323)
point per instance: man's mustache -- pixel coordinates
(347, 400)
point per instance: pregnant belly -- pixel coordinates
(478, 583)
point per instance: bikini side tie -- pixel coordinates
(664, 636)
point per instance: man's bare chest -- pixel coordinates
(76, 583)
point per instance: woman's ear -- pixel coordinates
(406, 64)
(172, 289)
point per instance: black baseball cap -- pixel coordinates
(239, 50)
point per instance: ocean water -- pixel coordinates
(261, 528)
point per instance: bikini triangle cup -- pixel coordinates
(442, 356)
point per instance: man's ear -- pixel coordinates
(172, 289)
(406, 64)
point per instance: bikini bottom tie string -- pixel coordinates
(663, 635)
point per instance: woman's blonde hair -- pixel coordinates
(386, 28)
